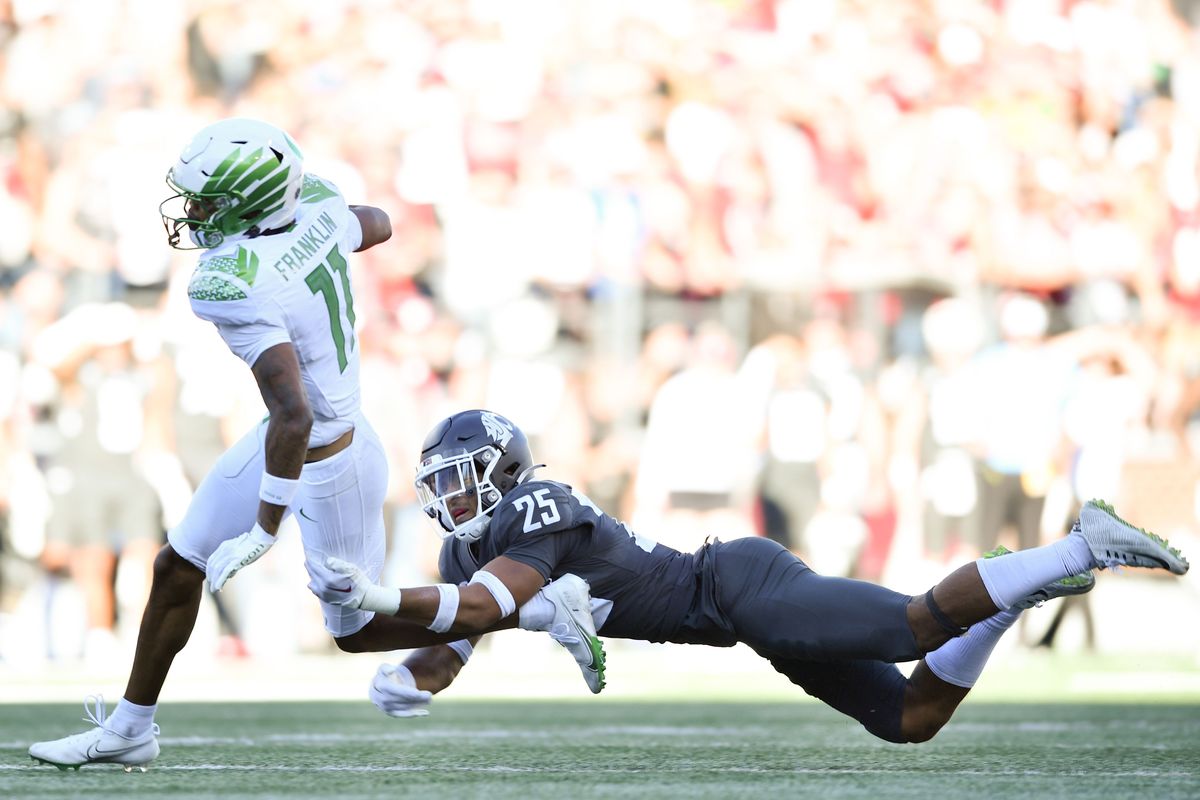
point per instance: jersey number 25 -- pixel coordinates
(549, 515)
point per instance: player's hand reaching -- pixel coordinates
(235, 553)
(395, 693)
(340, 583)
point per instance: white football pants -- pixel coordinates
(339, 506)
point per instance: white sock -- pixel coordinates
(536, 615)
(960, 661)
(131, 720)
(1012, 577)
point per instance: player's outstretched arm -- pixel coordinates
(376, 226)
(493, 593)
(278, 374)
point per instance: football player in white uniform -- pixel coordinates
(275, 280)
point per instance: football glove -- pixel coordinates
(341, 583)
(395, 693)
(236, 553)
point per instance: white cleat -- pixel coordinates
(574, 628)
(1115, 542)
(97, 746)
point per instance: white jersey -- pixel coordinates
(293, 287)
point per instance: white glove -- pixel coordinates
(341, 583)
(395, 693)
(235, 553)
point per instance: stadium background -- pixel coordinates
(886, 281)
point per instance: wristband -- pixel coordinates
(381, 599)
(498, 590)
(447, 608)
(277, 491)
(463, 647)
(404, 676)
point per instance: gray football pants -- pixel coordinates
(835, 638)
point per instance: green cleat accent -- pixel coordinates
(574, 628)
(1070, 585)
(600, 659)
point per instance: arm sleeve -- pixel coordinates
(251, 340)
(544, 553)
(248, 325)
(354, 233)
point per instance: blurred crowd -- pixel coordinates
(891, 283)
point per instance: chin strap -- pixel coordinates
(528, 473)
(474, 529)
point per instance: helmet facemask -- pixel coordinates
(442, 478)
(200, 213)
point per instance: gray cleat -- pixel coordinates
(1115, 542)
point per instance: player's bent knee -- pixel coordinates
(922, 734)
(354, 643)
(172, 570)
(921, 725)
(889, 733)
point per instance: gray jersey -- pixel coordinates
(548, 526)
(834, 637)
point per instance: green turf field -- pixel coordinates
(575, 750)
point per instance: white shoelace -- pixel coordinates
(97, 714)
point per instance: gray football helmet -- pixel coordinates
(468, 463)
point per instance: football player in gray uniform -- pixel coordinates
(508, 534)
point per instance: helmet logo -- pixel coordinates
(500, 429)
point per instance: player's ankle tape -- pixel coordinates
(939, 616)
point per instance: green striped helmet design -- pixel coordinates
(238, 176)
(258, 183)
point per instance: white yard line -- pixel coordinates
(683, 770)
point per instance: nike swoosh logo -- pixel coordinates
(306, 516)
(94, 751)
(585, 637)
(347, 590)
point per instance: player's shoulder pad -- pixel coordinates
(322, 210)
(538, 507)
(452, 561)
(316, 189)
(222, 287)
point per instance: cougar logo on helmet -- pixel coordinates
(500, 429)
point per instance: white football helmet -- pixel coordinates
(236, 177)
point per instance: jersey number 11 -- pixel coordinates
(320, 280)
